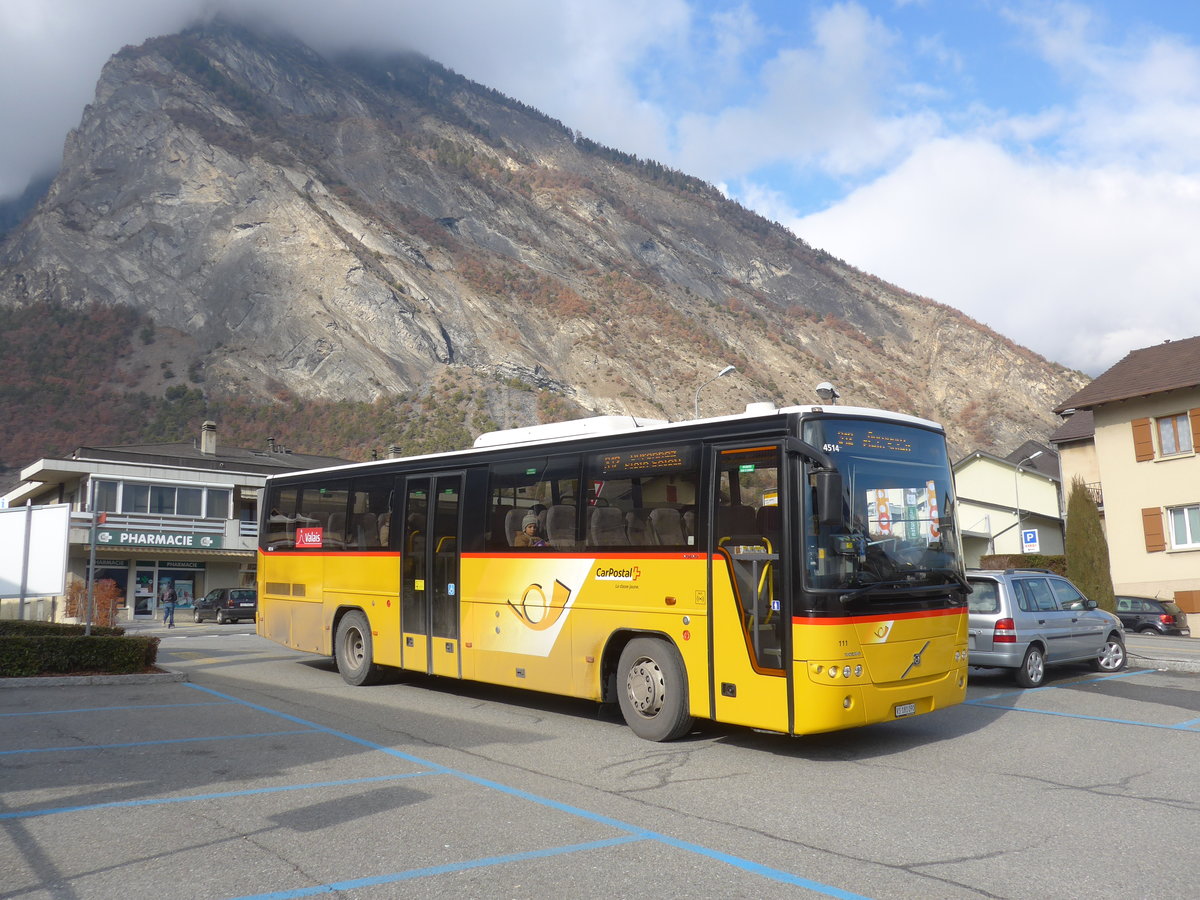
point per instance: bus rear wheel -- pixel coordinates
(353, 651)
(652, 690)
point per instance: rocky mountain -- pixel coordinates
(362, 227)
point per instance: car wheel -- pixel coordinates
(353, 651)
(652, 690)
(1033, 668)
(221, 620)
(196, 616)
(1149, 629)
(1112, 657)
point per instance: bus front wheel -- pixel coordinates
(652, 689)
(352, 650)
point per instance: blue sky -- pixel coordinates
(1036, 165)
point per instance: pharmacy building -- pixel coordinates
(179, 513)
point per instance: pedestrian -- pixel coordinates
(169, 599)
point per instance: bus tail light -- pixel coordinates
(1005, 632)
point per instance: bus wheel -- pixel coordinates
(352, 650)
(652, 689)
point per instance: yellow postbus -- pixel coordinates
(795, 570)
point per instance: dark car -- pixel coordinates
(227, 605)
(1146, 615)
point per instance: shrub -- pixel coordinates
(1056, 563)
(29, 649)
(28, 628)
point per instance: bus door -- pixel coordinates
(429, 583)
(747, 575)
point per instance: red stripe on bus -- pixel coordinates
(878, 617)
(334, 554)
(550, 557)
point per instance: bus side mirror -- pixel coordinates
(829, 499)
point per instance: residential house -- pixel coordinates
(184, 513)
(1009, 505)
(1132, 436)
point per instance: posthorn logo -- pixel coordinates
(611, 573)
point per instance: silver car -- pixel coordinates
(1027, 619)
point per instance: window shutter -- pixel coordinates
(1143, 440)
(1152, 527)
(1194, 415)
(1188, 601)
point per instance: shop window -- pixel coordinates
(188, 501)
(135, 498)
(162, 500)
(106, 496)
(218, 504)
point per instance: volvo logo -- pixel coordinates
(916, 660)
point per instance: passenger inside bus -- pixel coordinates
(528, 535)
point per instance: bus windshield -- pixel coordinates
(895, 533)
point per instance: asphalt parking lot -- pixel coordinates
(220, 787)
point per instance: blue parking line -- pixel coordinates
(227, 737)
(160, 801)
(635, 832)
(92, 709)
(979, 701)
(1063, 715)
(446, 869)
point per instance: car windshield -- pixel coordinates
(896, 529)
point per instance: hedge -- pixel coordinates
(1056, 563)
(28, 628)
(24, 657)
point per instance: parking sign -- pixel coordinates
(1029, 540)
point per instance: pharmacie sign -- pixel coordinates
(119, 537)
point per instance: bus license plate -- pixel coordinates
(905, 709)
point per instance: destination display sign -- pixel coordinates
(656, 461)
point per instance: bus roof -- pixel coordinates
(596, 426)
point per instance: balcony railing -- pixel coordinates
(1095, 492)
(141, 522)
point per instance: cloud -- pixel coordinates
(573, 59)
(51, 52)
(1080, 265)
(821, 104)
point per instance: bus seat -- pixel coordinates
(368, 531)
(497, 532)
(560, 526)
(689, 521)
(666, 527)
(335, 531)
(606, 527)
(512, 524)
(635, 528)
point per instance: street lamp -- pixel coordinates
(725, 371)
(1017, 493)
